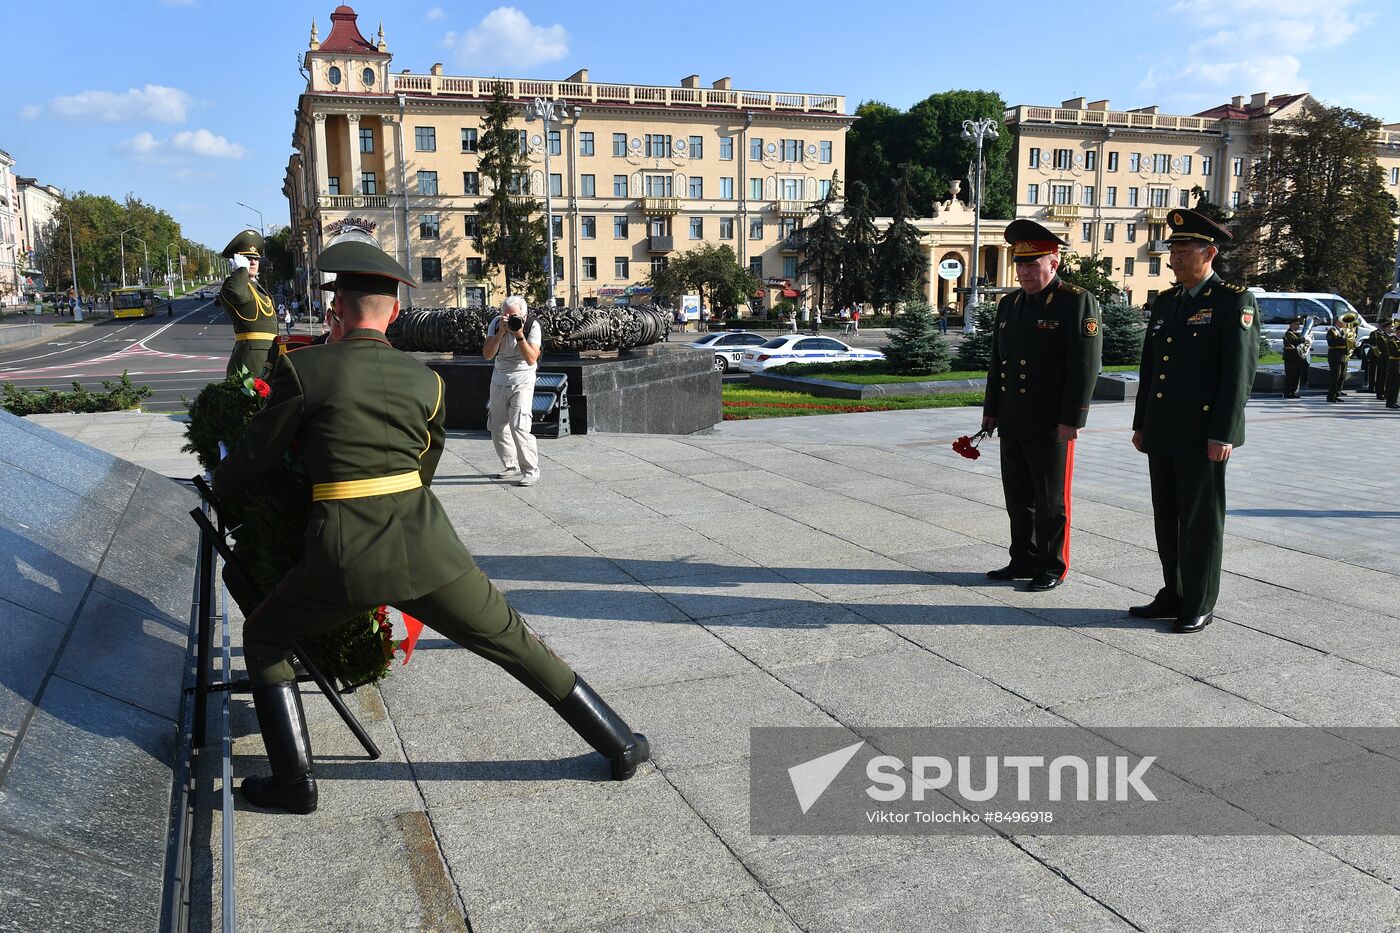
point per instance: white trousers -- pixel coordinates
(508, 419)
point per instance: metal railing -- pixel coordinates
(1125, 119)
(353, 201)
(659, 207)
(599, 93)
(1062, 212)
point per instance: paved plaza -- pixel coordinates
(829, 571)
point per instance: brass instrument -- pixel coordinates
(1349, 323)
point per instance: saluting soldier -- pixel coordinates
(1046, 349)
(370, 424)
(1338, 352)
(249, 309)
(1380, 356)
(1198, 361)
(1295, 361)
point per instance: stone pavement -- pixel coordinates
(828, 571)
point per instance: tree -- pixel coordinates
(856, 284)
(916, 348)
(509, 236)
(1324, 219)
(1122, 333)
(975, 352)
(711, 271)
(279, 265)
(899, 259)
(927, 139)
(1091, 275)
(821, 243)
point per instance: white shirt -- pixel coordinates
(511, 368)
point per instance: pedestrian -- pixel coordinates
(943, 318)
(816, 320)
(1295, 361)
(1046, 350)
(1380, 353)
(1198, 361)
(514, 342)
(376, 535)
(855, 321)
(1338, 352)
(248, 307)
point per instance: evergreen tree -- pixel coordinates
(900, 262)
(975, 352)
(1091, 275)
(509, 235)
(1122, 334)
(916, 348)
(856, 284)
(821, 245)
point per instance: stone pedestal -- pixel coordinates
(1116, 387)
(650, 390)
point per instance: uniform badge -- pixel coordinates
(1047, 324)
(1200, 317)
(1246, 318)
(1177, 220)
(1091, 327)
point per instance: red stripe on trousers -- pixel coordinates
(1069, 483)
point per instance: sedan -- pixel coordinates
(798, 349)
(728, 347)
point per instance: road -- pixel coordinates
(176, 356)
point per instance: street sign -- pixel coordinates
(950, 269)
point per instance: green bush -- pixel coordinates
(1122, 335)
(916, 348)
(975, 352)
(115, 396)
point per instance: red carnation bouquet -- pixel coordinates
(967, 446)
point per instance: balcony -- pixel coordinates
(791, 208)
(661, 207)
(353, 201)
(1158, 247)
(660, 244)
(1157, 215)
(1065, 213)
(794, 242)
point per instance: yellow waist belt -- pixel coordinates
(254, 335)
(360, 488)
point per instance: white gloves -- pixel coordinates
(239, 261)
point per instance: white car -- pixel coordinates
(795, 348)
(728, 347)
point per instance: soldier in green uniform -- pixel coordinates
(370, 425)
(1046, 349)
(1295, 362)
(1380, 356)
(249, 309)
(1338, 352)
(1392, 367)
(1198, 361)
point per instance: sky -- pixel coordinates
(189, 104)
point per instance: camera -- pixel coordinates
(515, 323)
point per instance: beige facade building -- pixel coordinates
(37, 206)
(12, 260)
(1106, 179)
(636, 173)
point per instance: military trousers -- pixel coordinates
(1337, 372)
(1295, 371)
(1383, 380)
(1188, 513)
(1036, 477)
(469, 610)
(253, 355)
(1392, 382)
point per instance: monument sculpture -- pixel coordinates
(566, 330)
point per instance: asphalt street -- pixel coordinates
(174, 355)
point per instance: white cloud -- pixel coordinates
(145, 147)
(506, 40)
(436, 13)
(152, 102)
(30, 111)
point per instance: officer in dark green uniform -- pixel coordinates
(1295, 363)
(1046, 349)
(1338, 352)
(1198, 363)
(249, 309)
(369, 423)
(1392, 367)
(1380, 356)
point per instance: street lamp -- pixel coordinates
(982, 130)
(547, 112)
(169, 275)
(262, 229)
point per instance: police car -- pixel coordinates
(795, 348)
(728, 347)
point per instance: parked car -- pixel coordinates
(795, 348)
(205, 293)
(1276, 309)
(728, 347)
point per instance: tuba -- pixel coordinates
(1349, 323)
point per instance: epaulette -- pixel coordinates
(1233, 288)
(1071, 287)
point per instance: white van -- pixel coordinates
(1276, 309)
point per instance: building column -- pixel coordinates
(322, 170)
(389, 147)
(353, 122)
(1004, 267)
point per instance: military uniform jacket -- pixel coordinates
(1046, 350)
(1337, 348)
(358, 409)
(1198, 362)
(250, 311)
(1293, 344)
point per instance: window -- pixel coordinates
(1395, 176)
(1159, 197)
(756, 267)
(1134, 161)
(657, 145)
(476, 267)
(619, 186)
(585, 144)
(1086, 232)
(555, 146)
(619, 144)
(824, 187)
(556, 184)
(790, 189)
(792, 150)
(1132, 197)
(697, 147)
(658, 226)
(1088, 195)
(558, 227)
(427, 183)
(1061, 194)
(1113, 161)
(726, 148)
(333, 184)
(755, 148)
(471, 183)
(726, 189)
(787, 226)
(333, 75)
(469, 140)
(1161, 162)
(1237, 167)
(588, 227)
(619, 226)
(658, 263)
(472, 226)
(590, 267)
(368, 183)
(824, 151)
(1032, 194)
(726, 228)
(1110, 196)
(425, 138)
(755, 228)
(1154, 265)
(1131, 231)
(1062, 160)
(1186, 165)
(519, 183)
(366, 139)
(1206, 163)
(431, 268)
(696, 187)
(1091, 160)
(367, 76)
(1108, 230)
(789, 267)
(1128, 265)
(620, 267)
(428, 226)
(558, 268)
(755, 189)
(1234, 199)
(697, 228)
(588, 186)
(1185, 198)
(659, 186)
(522, 141)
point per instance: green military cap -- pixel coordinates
(327, 286)
(358, 264)
(1190, 226)
(1029, 240)
(248, 243)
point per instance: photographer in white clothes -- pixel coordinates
(514, 342)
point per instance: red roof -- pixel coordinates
(345, 35)
(1231, 112)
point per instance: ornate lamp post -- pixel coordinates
(981, 131)
(549, 112)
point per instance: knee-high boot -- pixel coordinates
(603, 729)
(292, 786)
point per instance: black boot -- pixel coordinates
(1163, 606)
(602, 728)
(292, 786)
